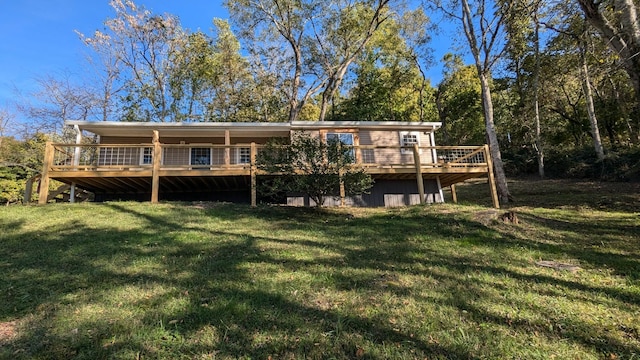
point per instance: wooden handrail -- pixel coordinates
(465, 152)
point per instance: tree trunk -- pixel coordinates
(593, 120)
(536, 102)
(294, 105)
(494, 146)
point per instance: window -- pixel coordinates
(244, 155)
(200, 156)
(146, 156)
(344, 139)
(408, 139)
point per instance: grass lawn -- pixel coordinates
(219, 281)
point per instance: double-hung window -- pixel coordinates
(408, 139)
(146, 156)
(344, 139)
(244, 155)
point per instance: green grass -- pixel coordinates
(207, 281)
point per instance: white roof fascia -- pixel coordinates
(386, 125)
(119, 128)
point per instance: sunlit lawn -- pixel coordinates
(207, 281)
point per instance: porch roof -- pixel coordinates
(256, 129)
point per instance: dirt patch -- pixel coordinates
(558, 265)
(8, 331)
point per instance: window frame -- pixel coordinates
(240, 156)
(403, 142)
(143, 155)
(191, 155)
(339, 135)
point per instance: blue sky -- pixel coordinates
(37, 37)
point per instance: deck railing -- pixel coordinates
(139, 157)
(156, 160)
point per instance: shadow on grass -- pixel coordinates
(214, 299)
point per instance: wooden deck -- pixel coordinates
(155, 168)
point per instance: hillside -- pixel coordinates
(127, 280)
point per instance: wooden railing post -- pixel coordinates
(342, 189)
(227, 149)
(155, 177)
(254, 192)
(49, 152)
(418, 165)
(492, 180)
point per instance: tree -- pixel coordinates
(57, 99)
(232, 81)
(192, 78)
(313, 167)
(342, 33)
(459, 104)
(6, 118)
(388, 76)
(105, 64)
(140, 48)
(618, 25)
(19, 160)
(523, 24)
(263, 21)
(588, 95)
(483, 29)
(321, 39)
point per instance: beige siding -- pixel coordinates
(249, 140)
(112, 140)
(381, 138)
(391, 156)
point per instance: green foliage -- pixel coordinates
(387, 88)
(11, 184)
(19, 160)
(620, 164)
(460, 105)
(312, 167)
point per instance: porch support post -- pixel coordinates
(342, 190)
(44, 180)
(227, 149)
(28, 190)
(454, 194)
(418, 165)
(439, 189)
(155, 178)
(254, 192)
(492, 180)
(76, 162)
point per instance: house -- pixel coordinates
(216, 161)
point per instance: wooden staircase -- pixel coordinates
(61, 194)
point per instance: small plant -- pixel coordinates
(312, 167)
